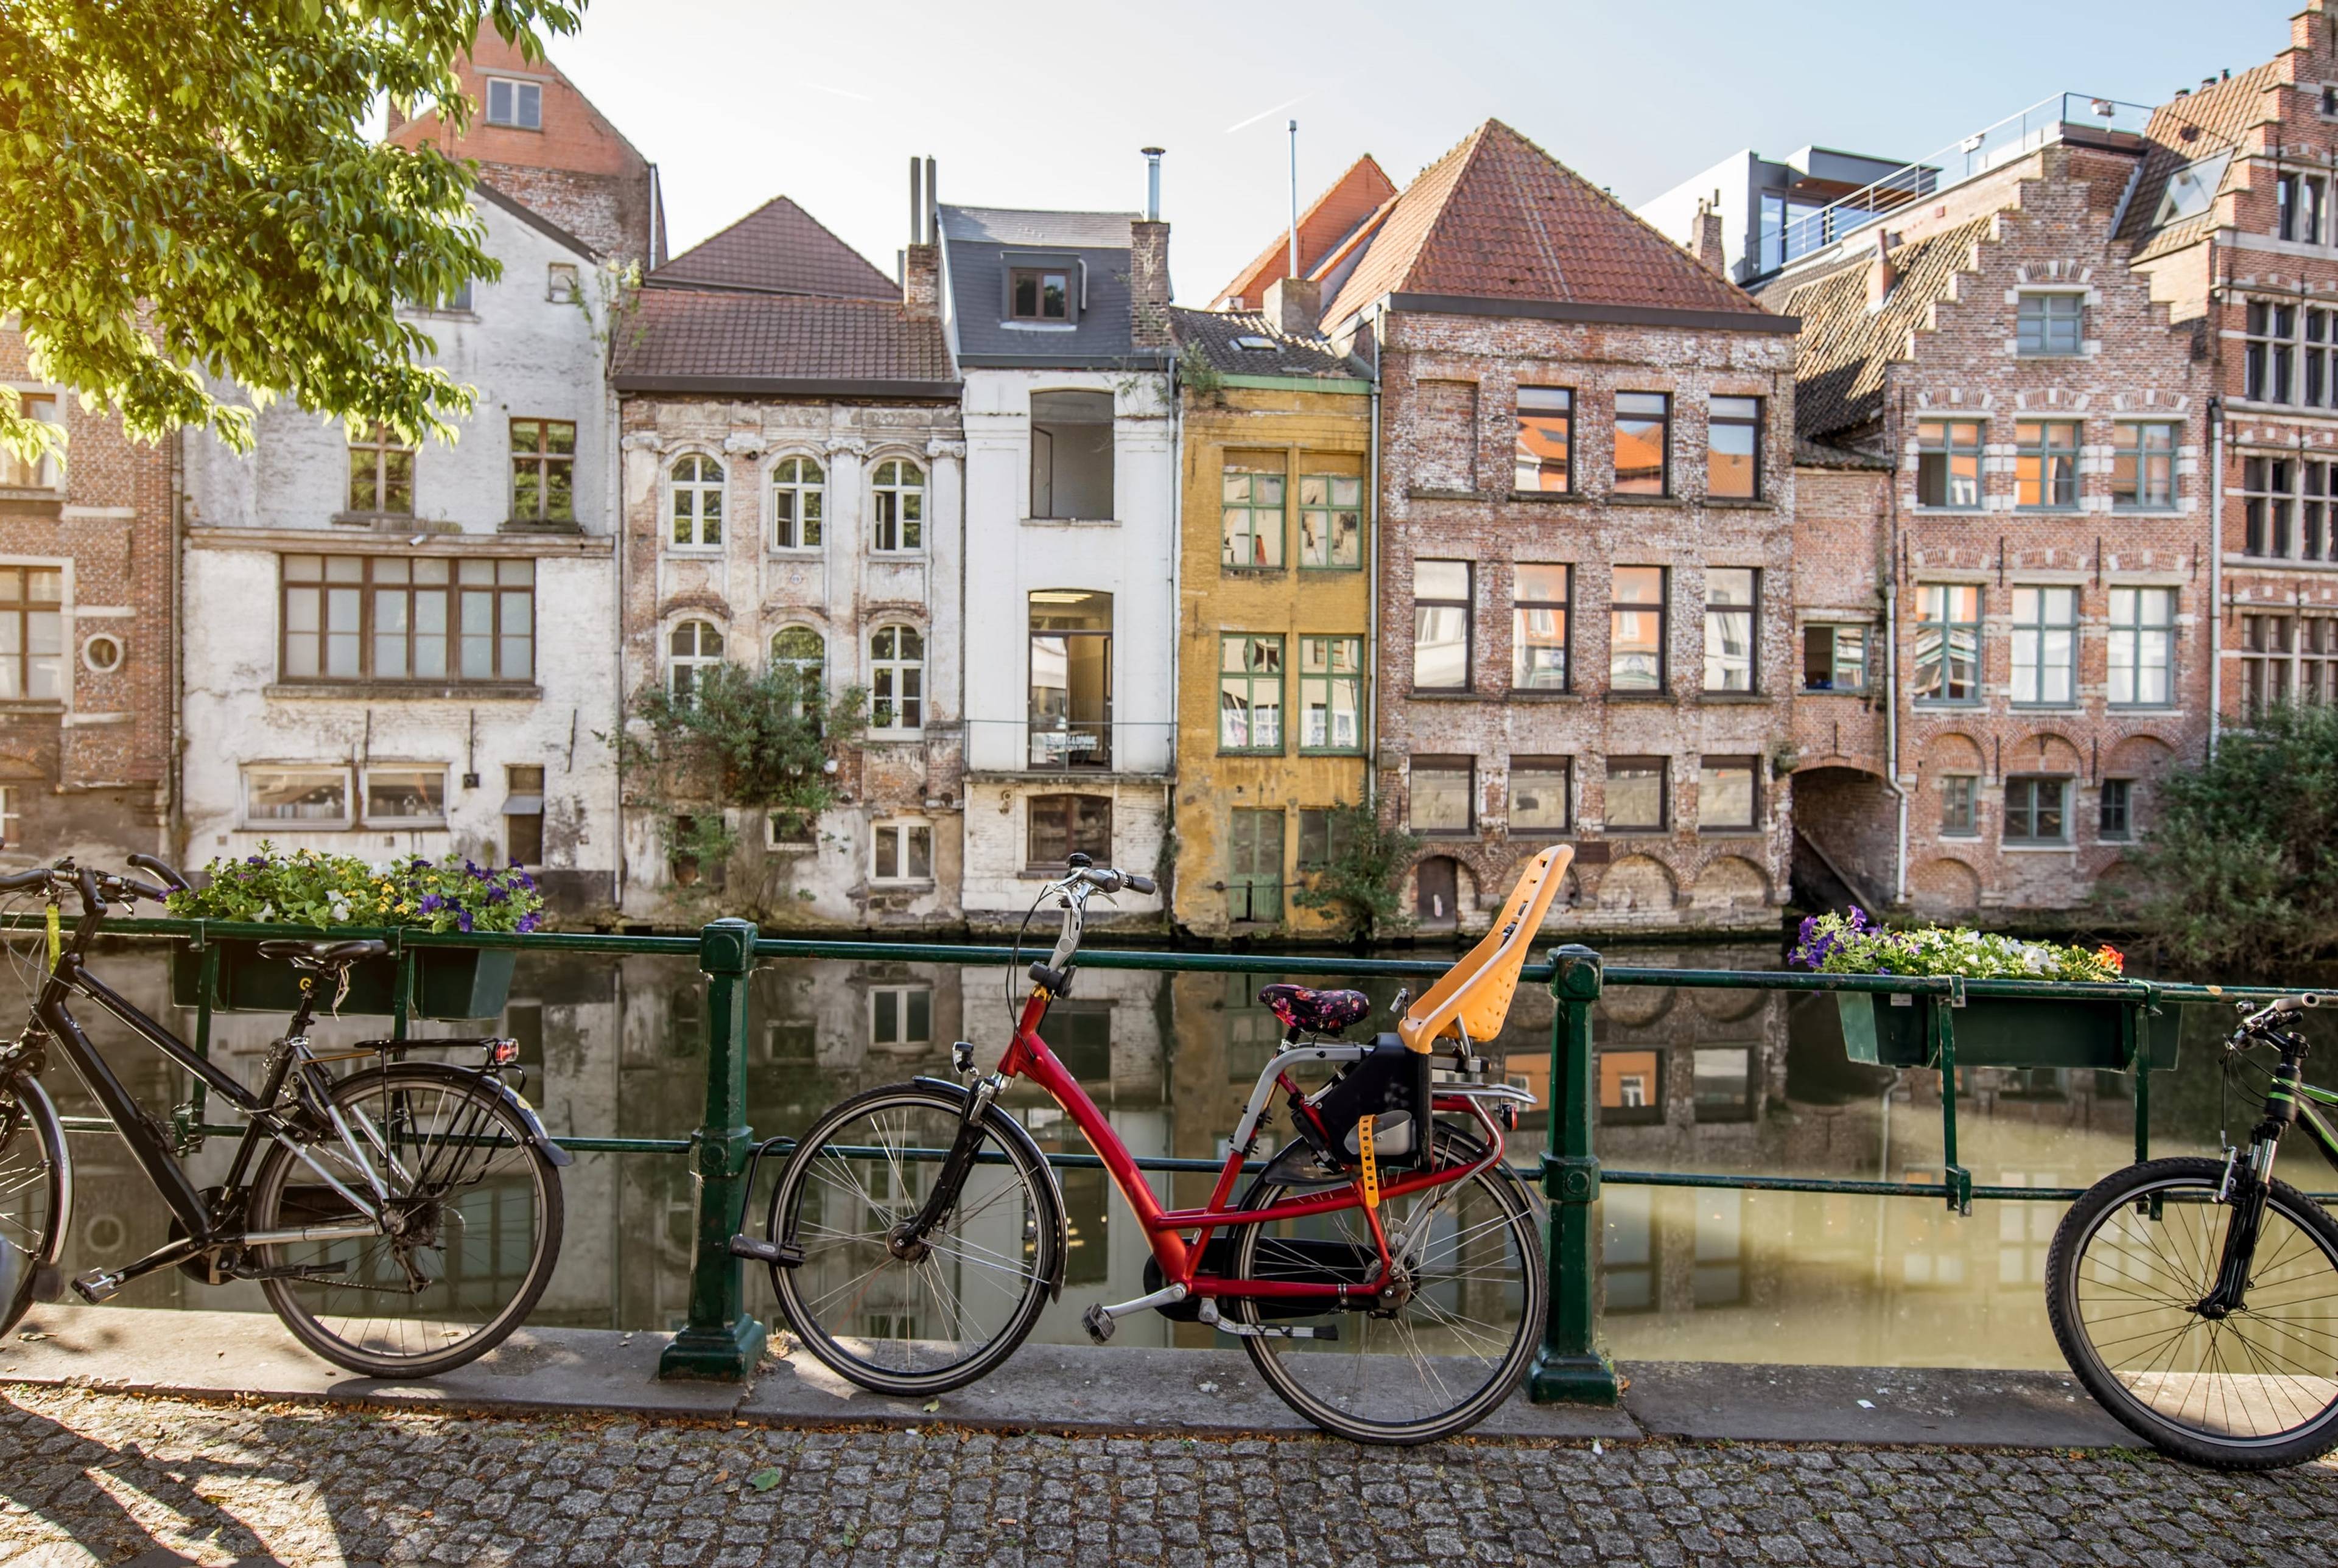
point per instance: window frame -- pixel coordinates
(2028, 814)
(890, 676)
(523, 92)
(1247, 889)
(2041, 630)
(341, 773)
(1316, 822)
(43, 474)
(563, 283)
(2135, 632)
(2128, 447)
(2269, 491)
(806, 508)
(700, 490)
(1097, 849)
(1836, 663)
(904, 996)
(1716, 618)
(1467, 604)
(1960, 806)
(410, 823)
(699, 658)
(904, 830)
(1663, 419)
(1328, 513)
(1443, 764)
(1330, 679)
(1752, 423)
(2300, 222)
(544, 461)
(2267, 666)
(1661, 766)
(2121, 789)
(814, 691)
(2040, 344)
(1663, 609)
(456, 593)
(888, 483)
(21, 658)
(1039, 272)
(1255, 513)
(2057, 465)
(2269, 352)
(1751, 766)
(1259, 649)
(1528, 467)
(382, 446)
(1938, 457)
(1563, 608)
(1560, 767)
(1946, 656)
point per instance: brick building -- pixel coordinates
(88, 635)
(1586, 489)
(2000, 585)
(793, 491)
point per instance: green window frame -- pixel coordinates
(1834, 657)
(2050, 325)
(2143, 467)
(1948, 643)
(1250, 694)
(2142, 648)
(1331, 522)
(1960, 806)
(2115, 812)
(1254, 864)
(2044, 647)
(1252, 516)
(2045, 465)
(1322, 834)
(2036, 808)
(1330, 696)
(1947, 464)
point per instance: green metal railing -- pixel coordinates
(722, 1340)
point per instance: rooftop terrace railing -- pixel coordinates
(722, 1341)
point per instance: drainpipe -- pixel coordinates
(1892, 649)
(174, 816)
(2215, 569)
(1176, 606)
(1372, 619)
(613, 509)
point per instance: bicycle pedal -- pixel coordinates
(1098, 1323)
(97, 1284)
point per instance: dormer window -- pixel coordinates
(1040, 294)
(520, 104)
(2191, 188)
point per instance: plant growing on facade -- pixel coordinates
(1852, 945)
(1200, 377)
(308, 888)
(1362, 879)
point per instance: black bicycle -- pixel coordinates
(401, 1218)
(2197, 1298)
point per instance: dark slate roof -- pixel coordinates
(1841, 356)
(2220, 117)
(1215, 334)
(779, 249)
(978, 247)
(734, 341)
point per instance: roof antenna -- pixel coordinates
(1294, 199)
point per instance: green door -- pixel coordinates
(1254, 883)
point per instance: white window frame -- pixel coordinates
(772, 839)
(801, 489)
(2131, 641)
(2042, 633)
(698, 489)
(9, 817)
(365, 789)
(897, 666)
(900, 996)
(899, 830)
(523, 95)
(559, 290)
(698, 657)
(879, 490)
(348, 819)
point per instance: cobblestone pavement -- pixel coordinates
(87, 1477)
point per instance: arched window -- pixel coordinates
(693, 648)
(900, 510)
(896, 687)
(797, 488)
(697, 501)
(800, 649)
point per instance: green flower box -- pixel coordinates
(2005, 1030)
(448, 982)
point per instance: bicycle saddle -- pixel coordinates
(1315, 1012)
(324, 955)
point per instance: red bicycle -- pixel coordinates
(1383, 1270)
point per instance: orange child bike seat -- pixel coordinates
(1474, 996)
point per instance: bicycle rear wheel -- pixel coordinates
(1442, 1356)
(2129, 1266)
(476, 1216)
(36, 1185)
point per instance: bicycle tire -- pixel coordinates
(35, 1194)
(1501, 1202)
(2079, 1251)
(813, 1293)
(467, 1111)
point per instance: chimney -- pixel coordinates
(1152, 183)
(396, 118)
(1881, 274)
(1148, 267)
(1709, 248)
(1294, 306)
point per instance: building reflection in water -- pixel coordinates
(1689, 1080)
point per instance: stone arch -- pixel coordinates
(1944, 886)
(1953, 753)
(1731, 885)
(1634, 883)
(2139, 756)
(2044, 751)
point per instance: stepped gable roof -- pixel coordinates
(2220, 117)
(1344, 207)
(712, 340)
(776, 249)
(1844, 347)
(1497, 218)
(982, 245)
(1243, 343)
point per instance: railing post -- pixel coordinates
(722, 1341)
(1569, 1367)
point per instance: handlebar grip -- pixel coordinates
(16, 881)
(163, 870)
(147, 890)
(1137, 883)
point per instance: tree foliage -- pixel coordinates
(187, 190)
(2240, 863)
(1363, 874)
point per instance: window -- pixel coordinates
(544, 470)
(1070, 456)
(1834, 657)
(1254, 518)
(1947, 464)
(787, 829)
(1039, 294)
(1440, 625)
(2044, 466)
(101, 652)
(1254, 866)
(562, 284)
(896, 678)
(798, 497)
(899, 507)
(1637, 795)
(2036, 809)
(32, 634)
(1725, 794)
(1061, 825)
(1541, 791)
(2115, 810)
(1250, 694)
(1733, 453)
(2297, 209)
(39, 473)
(2316, 389)
(1539, 627)
(1322, 834)
(1331, 695)
(2143, 467)
(381, 475)
(2044, 646)
(901, 852)
(2267, 505)
(2268, 355)
(900, 1017)
(1948, 643)
(1721, 1089)
(9, 815)
(1642, 443)
(523, 812)
(2314, 520)
(692, 649)
(2142, 647)
(2049, 324)
(296, 796)
(515, 104)
(1959, 794)
(1636, 630)
(697, 501)
(406, 797)
(2191, 188)
(802, 651)
(2317, 660)
(1444, 794)
(1732, 593)
(1546, 459)
(2265, 648)
(1331, 522)
(1071, 679)
(407, 618)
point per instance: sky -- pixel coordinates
(1038, 106)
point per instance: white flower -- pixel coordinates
(340, 910)
(267, 912)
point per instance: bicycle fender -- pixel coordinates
(38, 1105)
(535, 1133)
(1010, 1129)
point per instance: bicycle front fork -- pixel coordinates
(2245, 1192)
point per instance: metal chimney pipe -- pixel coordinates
(1294, 199)
(933, 206)
(1152, 183)
(917, 199)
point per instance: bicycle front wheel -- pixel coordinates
(36, 1185)
(2130, 1266)
(913, 1318)
(474, 1221)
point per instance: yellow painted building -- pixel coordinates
(1274, 656)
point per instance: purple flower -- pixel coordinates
(526, 923)
(462, 919)
(432, 903)
(496, 895)
(256, 861)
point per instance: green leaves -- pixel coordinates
(1361, 878)
(308, 888)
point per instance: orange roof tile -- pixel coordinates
(1332, 217)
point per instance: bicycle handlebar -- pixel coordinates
(2282, 1007)
(94, 887)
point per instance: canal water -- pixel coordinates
(1690, 1079)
